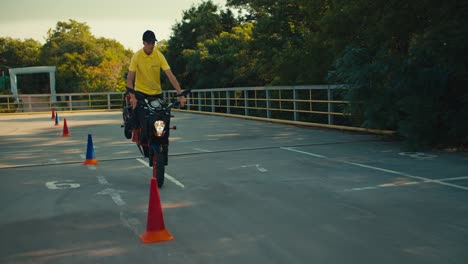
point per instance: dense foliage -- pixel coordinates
(84, 63)
(405, 62)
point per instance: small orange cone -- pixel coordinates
(57, 119)
(53, 113)
(155, 228)
(65, 129)
(90, 157)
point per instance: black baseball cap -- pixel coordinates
(149, 36)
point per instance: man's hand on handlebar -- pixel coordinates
(182, 101)
(181, 96)
(133, 100)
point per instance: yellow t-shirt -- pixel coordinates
(148, 71)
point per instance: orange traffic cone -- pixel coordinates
(65, 129)
(53, 113)
(90, 157)
(155, 228)
(56, 119)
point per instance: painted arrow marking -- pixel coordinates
(114, 194)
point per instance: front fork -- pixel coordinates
(160, 150)
(154, 149)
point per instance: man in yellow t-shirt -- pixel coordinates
(146, 65)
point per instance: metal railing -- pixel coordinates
(321, 103)
(313, 105)
(65, 102)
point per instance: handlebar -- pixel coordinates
(173, 103)
(184, 93)
(176, 102)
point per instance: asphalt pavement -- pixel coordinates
(236, 191)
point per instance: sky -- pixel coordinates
(122, 20)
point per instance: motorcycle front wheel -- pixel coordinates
(157, 159)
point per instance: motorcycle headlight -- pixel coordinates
(159, 128)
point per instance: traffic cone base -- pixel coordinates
(90, 156)
(155, 228)
(91, 162)
(156, 236)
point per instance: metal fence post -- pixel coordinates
(30, 105)
(199, 102)
(246, 103)
(108, 102)
(228, 103)
(187, 103)
(330, 105)
(268, 104)
(295, 104)
(213, 109)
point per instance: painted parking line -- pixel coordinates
(114, 195)
(303, 152)
(19, 152)
(399, 184)
(423, 179)
(385, 170)
(169, 177)
(202, 150)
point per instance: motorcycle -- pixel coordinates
(157, 115)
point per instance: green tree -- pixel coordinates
(199, 24)
(286, 45)
(16, 53)
(406, 65)
(221, 61)
(405, 62)
(110, 71)
(84, 63)
(70, 46)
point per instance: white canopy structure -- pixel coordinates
(31, 70)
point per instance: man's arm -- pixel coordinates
(173, 80)
(176, 85)
(130, 79)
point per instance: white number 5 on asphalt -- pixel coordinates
(63, 184)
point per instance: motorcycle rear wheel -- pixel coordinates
(158, 166)
(126, 119)
(127, 131)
